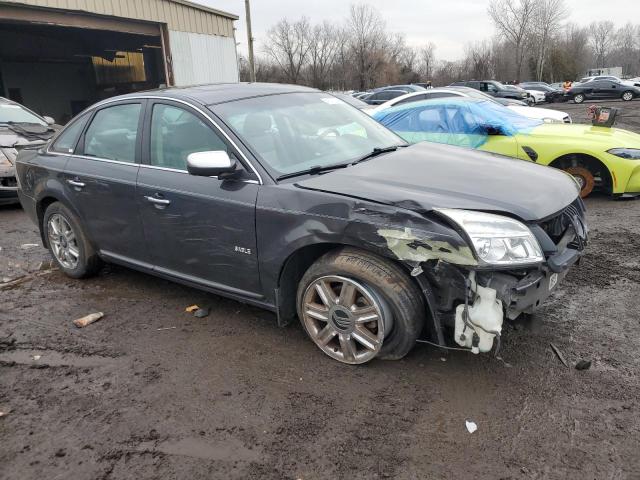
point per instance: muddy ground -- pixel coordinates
(150, 392)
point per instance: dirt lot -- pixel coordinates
(151, 392)
(628, 114)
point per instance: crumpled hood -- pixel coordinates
(12, 136)
(427, 176)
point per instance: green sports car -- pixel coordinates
(601, 158)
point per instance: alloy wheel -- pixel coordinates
(626, 96)
(345, 319)
(62, 239)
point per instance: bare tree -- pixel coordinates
(368, 36)
(427, 60)
(288, 45)
(322, 53)
(601, 34)
(549, 15)
(512, 19)
(478, 58)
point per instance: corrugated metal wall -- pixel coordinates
(199, 58)
(177, 15)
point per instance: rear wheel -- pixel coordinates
(585, 179)
(68, 244)
(356, 306)
(578, 98)
(627, 96)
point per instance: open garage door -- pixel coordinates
(58, 64)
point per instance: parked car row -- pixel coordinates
(290, 199)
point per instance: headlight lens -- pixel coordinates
(630, 153)
(497, 240)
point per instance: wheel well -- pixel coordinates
(294, 268)
(41, 207)
(595, 166)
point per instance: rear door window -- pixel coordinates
(113, 133)
(66, 142)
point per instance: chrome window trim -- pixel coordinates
(185, 172)
(172, 99)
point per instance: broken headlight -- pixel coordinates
(497, 240)
(630, 153)
(4, 160)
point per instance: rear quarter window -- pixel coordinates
(67, 140)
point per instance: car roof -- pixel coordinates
(221, 92)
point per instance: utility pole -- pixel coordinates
(252, 67)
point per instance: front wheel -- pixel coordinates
(585, 179)
(627, 96)
(68, 243)
(578, 98)
(356, 306)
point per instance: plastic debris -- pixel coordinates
(4, 412)
(557, 351)
(471, 426)
(27, 246)
(201, 312)
(583, 365)
(37, 357)
(88, 319)
(165, 328)
(192, 308)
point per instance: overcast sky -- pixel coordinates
(450, 24)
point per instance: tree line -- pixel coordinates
(533, 40)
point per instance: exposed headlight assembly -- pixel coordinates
(497, 240)
(629, 153)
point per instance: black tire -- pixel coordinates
(627, 96)
(88, 262)
(388, 281)
(578, 98)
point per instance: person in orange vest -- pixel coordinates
(567, 85)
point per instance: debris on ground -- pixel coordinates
(165, 328)
(4, 412)
(37, 357)
(583, 365)
(557, 351)
(27, 246)
(471, 426)
(191, 308)
(88, 319)
(202, 312)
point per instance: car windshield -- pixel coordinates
(12, 113)
(298, 131)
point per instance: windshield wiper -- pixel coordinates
(313, 170)
(377, 151)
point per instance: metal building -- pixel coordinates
(58, 56)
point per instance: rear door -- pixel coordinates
(200, 229)
(101, 179)
(609, 89)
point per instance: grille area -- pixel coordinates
(568, 228)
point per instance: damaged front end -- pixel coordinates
(510, 269)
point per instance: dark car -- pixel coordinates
(495, 89)
(551, 95)
(378, 98)
(19, 128)
(287, 198)
(602, 89)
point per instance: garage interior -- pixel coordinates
(59, 63)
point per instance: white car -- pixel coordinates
(545, 114)
(538, 96)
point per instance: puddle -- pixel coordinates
(230, 450)
(55, 359)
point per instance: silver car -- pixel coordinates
(19, 128)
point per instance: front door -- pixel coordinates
(101, 178)
(201, 229)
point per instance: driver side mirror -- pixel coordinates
(49, 120)
(210, 164)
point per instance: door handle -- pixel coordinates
(158, 202)
(77, 184)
